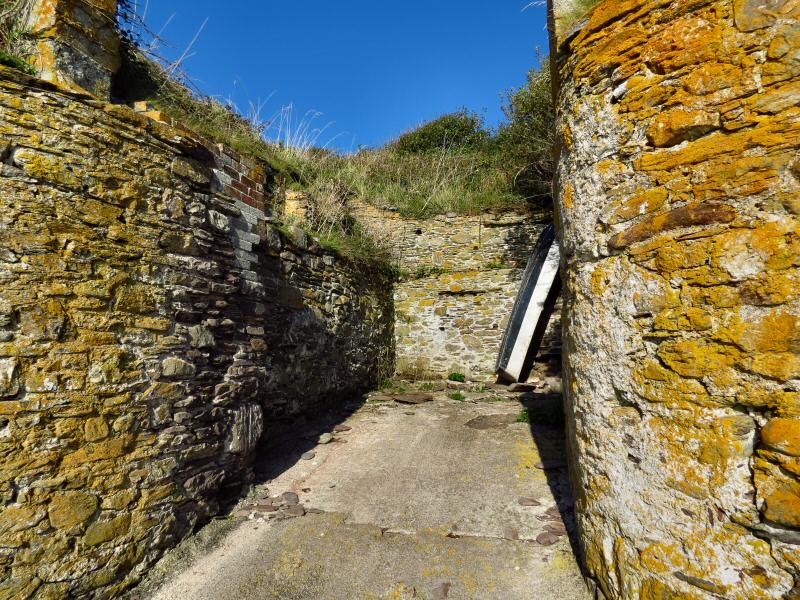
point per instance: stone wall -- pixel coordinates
(677, 200)
(460, 278)
(77, 42)
(151, 327)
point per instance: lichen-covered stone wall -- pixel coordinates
(677, 202)
(77, 42)
(460, 276)
(151, 327)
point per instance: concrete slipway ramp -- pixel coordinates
(443, 499)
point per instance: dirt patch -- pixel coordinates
(492, 421)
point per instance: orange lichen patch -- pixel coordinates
(686, 41)
(782, 503)
(646, 95)
(717, 145)
(600, 280)
(568, 197)
(610, 52)
(654, 589)
(697, 358)
(663, 558)
(750, 253)
(712, 77)
(782, 435)
(779, 242)
(607, 12)
(718, 296)
(778, 331)
(611, 169)
(690, 481)
(745, 176)
(683, 319)
(663, 386)
(683, 255)
(681, 125)
(751, 15)
(782, 366)
(780, 402)
(730, 439)
(684, 216)
(640, 204)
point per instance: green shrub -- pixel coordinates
(462, 129)
(524, 417)
(460, 377)
(457, 396)
(524, 144)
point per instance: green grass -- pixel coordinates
(454, 164)
(457, 396)
(17, 46)
(459, 377)
(461, 181)
(549, 415)
(424, 271)
(394, 385)
(16, 62)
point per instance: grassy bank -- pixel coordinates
(452, 164)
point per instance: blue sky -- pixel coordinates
(373, 68)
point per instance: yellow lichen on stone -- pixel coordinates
(697, 104)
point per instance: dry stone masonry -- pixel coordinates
(677, 199)
(152, 326)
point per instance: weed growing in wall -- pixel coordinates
(17, 44)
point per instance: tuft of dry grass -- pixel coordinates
(574, 11)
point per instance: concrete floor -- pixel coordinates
(413, 502)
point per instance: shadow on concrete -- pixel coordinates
(284, 442)
(548, 430)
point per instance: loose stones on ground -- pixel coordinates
(284, 506)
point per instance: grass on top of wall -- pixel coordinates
(453, 164)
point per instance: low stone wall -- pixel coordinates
(460, 278)
(453, 323)
(492, 240)
(677, 199)
(151, 326)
